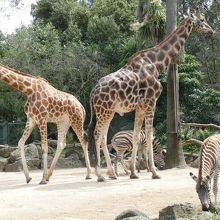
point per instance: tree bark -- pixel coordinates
(175, 155)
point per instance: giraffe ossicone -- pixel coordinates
(136, 87)
(47, 104)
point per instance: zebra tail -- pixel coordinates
(90, 136)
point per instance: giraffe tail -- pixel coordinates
(91, 138)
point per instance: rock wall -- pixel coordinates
(10, 160)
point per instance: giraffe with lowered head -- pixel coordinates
(136, 87)
(47, 104)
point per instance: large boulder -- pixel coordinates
(32, 156)
(13, 167)
(6, 150)
(71, 162)
(14, 156)
(3, 162)
(183, 212)
(132, 214)
(195, 163)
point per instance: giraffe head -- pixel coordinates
(200, 24)
(203, 191)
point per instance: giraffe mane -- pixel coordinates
(22, 73)
(158, 45)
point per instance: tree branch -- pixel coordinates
(192, 141)
(217, 127)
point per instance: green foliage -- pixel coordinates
(122, 11)
(198, 134)
(65, 15)
(102, 30)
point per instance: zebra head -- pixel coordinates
(159, 159)
(203, 191)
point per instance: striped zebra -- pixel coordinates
(209, 167)
(122, 141)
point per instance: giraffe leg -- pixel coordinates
(82, 139)
(111, 172)
(43, 133)
(101, 130)
(149, 139)
(98, 139)
(139, 118)
(62, 128)
(30, 124)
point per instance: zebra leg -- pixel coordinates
(121, 159)
(116, 164)
(215, 184)
(145, 152)
(139, 157)
(139, 118)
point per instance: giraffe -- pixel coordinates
(136, 87)
(46, 104)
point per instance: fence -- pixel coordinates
(11, 132)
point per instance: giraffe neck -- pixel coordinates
(20, 81)
(162, 54)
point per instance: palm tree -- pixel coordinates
(151, 15)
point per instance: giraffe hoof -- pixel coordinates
(101, 179)
(133, 176)
(113, 177)
(88, 178)
(156, 177)
(28, 179)
(42, 182)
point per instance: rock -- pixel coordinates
(13, 167)
(132, 214)
(195, 163)
(136, 218)
(204, 216)
(63, 163)
(14, 156)
(76, 162)
(34, 164)
(6, 150)
(31, 151)
(183, 212)
(3, 162)
(71, 150)
(40, 153)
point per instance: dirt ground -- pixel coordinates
(68, 196)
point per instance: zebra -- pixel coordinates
(122, 141)
(209, 167)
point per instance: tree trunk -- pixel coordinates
(175, 156)
(140, 10)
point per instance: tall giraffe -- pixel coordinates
(47, 104)
(136, 87)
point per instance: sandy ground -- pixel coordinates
(68, 196)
